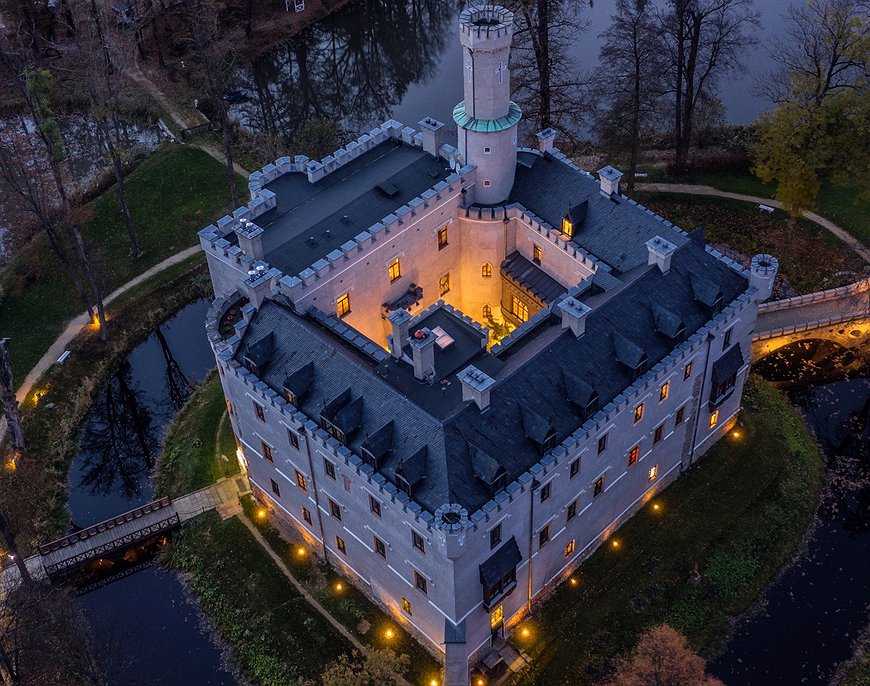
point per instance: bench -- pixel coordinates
(766, 208)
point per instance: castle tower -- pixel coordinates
(487, 119)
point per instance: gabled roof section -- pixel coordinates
(484, 466)
(380, 442)
(577, 214)
(705, 290)
(579, 392)
(259, 353)
(299, 381)
(667, 322)
(413, 469)
(537, 427)
(628, 353)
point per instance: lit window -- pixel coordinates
(380, 548)
(342, 305)
(375, 505)
(664, 390)
(306, 515)
(444, 284)
(275, 489)
(572, 511)
(487, 312)
(659, 433)
(418, 541)
(638, 413)
(335, 509)
(653, 472)
(569, 549)
(329, 468)
(714, 419)
(293, 437)
(520, 309)
(543, 536)
(301, 481)
(486, 270)
(442, 237)
(258, 410)
(395, 270)
(339, 541)
(633, 455)
(687, 372)
(267, 452)
(545, 492)
(421, 582)
(598, 489)
(536, 254)
(567, 228)
(575, 468)
(602, 444)
(406, 606)
(495, 536)
(678, 419)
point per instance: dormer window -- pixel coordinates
(538, 429)
(377, 446)
(488, 470)
(342, 416)
(411, 471)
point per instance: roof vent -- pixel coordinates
(476, 386)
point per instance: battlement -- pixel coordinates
(490, 24)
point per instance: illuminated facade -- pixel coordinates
(453, 479)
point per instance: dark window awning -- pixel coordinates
(728, 365)
(531, 278)
(408, 299)
(501, 563)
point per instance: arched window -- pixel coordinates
(486, 270)
(487, 312)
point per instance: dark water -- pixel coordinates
(374, 60)
(820, 605)
(145, 628)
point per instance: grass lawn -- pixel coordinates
(834, 202)
(276, 636)
(738, 514)
(199, 435)
(748, 231)
(172, 195)
(860, 675)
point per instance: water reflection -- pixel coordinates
(352, 67)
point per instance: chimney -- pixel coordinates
(258, 283)
(400, 323)
(546, 140)
(432, 131)
(476, 386)
(250, 239)
(660, 252)
(574, 315)
(422, 343)
(609, 178)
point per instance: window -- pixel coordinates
(545, 492)
(536, 253)
(575, 468)
(602, 444)
(339, 542)
(678, 419)
(395, 270)
(293, 437)
(258, 410)
(335, 509)
(442, 237)
(487, 183)
(421, 582)
(275, 489)
(418, 542)
(726, 341)
(306, 515)
(346, 483)
(301, 481)
(487, 312)
(572, 511)
(659, 433)
(406, 606)
(569, 549)
(633, 455)
(267, 452)
(714, 419)
(330, 468)
(487, 150)
(380, 547)
(520, 309)
(495, 536)
(444, 284)
(653, 472)
(567, 228)
(687, 372)
(375, 505)
(543, 536)
(486, 270)
(598, 488)
(342, 305)
(638, 413)
(664, 391)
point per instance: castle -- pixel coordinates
(456, 370)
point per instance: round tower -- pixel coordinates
(487, 119)
(762, 270)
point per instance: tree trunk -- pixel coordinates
(92, 278)
(8, 399)
(543, 51)
(114, 155)
(55, 243)
(228, 155)
(9, 541)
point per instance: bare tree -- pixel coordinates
(706, 39)
(8, 399)
(630, 80)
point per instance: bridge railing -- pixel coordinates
(101, 527)
(819, 296)
(801, 328)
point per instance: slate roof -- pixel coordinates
(311, 220)
(614, 230)
(531, 277)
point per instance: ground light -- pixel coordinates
(481, 682)
(261, 513)
(433, 682)
(614, 543)
(657, 507)
(389, 633)
(524, 632)
(573, 581)
(300, 552)
(736, 434)
(339, 587)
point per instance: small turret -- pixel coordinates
(763, 270)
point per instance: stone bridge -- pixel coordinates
(840, 314)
